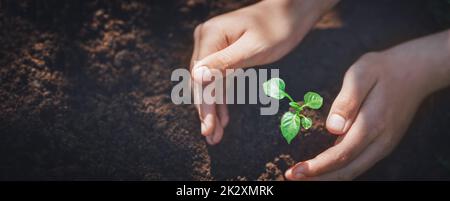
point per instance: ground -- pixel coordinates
(85, 93)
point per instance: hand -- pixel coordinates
(254, 35)
(380, 94)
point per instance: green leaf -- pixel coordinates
(274, 88)
(306, 122)
(313, 100)
(295, 105)
(290, 126)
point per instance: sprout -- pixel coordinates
(292, 122)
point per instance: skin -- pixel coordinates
(378, 106)
(374, 107)
(258, 34)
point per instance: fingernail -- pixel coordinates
(336, 122)
(202, 72)
(299, 172)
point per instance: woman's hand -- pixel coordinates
(380, 94)
(258, 34)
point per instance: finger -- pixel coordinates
(218, 132)
(195, 51)
(357, 84)
(210, 40)
(239, 54)
(363, 162)
(361, 134)
(194, 58)
(222, 113)
(207, 118)
(194, 85)
(207, 112)
(222, 109)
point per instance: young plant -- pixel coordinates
(291, 122)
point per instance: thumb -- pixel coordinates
(239, 54)
(356, 86)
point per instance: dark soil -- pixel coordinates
(85, 93)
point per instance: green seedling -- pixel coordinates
(291, 122)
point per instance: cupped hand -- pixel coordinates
(378, 99)
(254, 35)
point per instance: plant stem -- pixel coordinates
(289, 97)
(301, 107)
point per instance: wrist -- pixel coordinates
(307, 9)
(304, 13)
(425, 60)
(319, 6)
(433, 59)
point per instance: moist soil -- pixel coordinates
(85, 93)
